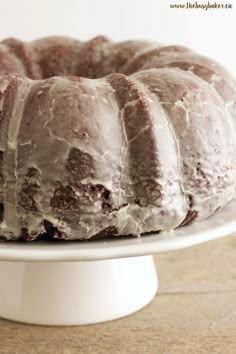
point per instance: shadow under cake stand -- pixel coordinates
(74, 283)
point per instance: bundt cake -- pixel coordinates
(101, 139)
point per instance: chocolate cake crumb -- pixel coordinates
(75, 196)
(191, 215)
(105, 233)
(80, 164)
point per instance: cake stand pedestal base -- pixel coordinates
(75, 293)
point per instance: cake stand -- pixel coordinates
(73, 283)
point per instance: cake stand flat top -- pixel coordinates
(218, 225)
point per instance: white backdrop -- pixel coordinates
(211, 32)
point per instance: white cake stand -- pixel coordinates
(73, 283)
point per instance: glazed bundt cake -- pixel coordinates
(102, 138)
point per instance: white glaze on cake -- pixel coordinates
(149, 147)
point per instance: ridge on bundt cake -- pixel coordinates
(101, 138)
